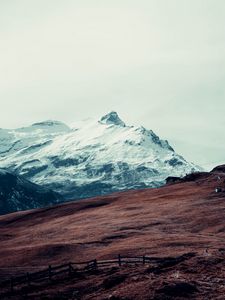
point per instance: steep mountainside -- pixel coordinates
(93, 157)
(16, 193)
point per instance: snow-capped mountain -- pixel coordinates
(92, 157)
(17, 193)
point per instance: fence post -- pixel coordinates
(11, 284)
(28, 279)
(70, 269)
(119, 260)
(143, 259)
(50, 272)
(95, 264)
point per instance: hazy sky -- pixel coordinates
(159, 63)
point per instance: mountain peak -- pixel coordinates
(48, 123)
(112, 118)
(51, 125)
(93, 158)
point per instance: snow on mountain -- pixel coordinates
(16, 193)
(91, 158)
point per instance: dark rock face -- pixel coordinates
(219, 169)
(194, 176)
(112, 118)
(172, 179)
(34, 171)
(188, 178)
(16, 193)
(65, 162)
(174, 162)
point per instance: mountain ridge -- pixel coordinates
(17, 193)
(94, 157)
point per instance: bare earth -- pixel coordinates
(180, 218)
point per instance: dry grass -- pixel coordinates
(170, 221)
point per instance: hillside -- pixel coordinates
(179, 218)
(93, 157)
(17, 193)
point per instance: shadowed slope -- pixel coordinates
(17, 193)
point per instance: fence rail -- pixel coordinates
(70, 269)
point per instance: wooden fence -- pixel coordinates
(70, 269)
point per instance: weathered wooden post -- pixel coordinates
(50, 272)
(95, 264)
(28, 279)
(143, 259)
(70, 269)
(119, 260)
(11, 284)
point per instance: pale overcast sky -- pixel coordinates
(158, 63)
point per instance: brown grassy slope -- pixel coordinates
(175, 219)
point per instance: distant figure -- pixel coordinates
(218, 178)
